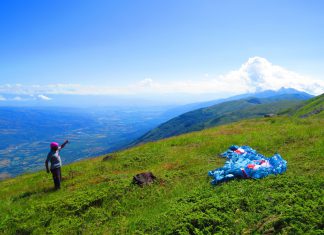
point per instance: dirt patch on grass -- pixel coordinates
(229, 132)
(98, 180)
(170, 166)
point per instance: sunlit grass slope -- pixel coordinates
(97, 196)
(219, 114)
(314, 106)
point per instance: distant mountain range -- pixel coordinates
(283, 92)
(226, 111)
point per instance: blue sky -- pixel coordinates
(118, 44)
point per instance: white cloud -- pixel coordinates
(147, 82)
(259, 74)
(2, 98)
(255, 75)
(43, 97)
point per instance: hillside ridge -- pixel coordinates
(223, 113)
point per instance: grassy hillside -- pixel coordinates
(98, 198)
(219, 114)
(311, 107)
(314, 106)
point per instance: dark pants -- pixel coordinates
(57, 177)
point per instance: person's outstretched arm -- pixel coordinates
(63, 145)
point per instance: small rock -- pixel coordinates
(144, 178)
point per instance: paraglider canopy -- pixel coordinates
(245, 162)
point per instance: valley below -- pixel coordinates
(91, 132)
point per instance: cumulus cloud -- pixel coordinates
(256, 74)
(43, 97)
(259, 74)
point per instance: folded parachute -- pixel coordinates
(245, 162)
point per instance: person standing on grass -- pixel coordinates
(54, 158)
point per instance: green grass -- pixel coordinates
(315, 104)
(311, 107)
(219, 114)
(98, 198)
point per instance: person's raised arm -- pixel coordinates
(63, 145)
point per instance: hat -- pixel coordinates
(54, 145)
